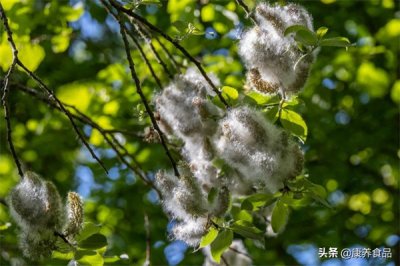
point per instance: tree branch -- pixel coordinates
(145, 59)
(175, 43)
(108, 136)
(246, 9)
(157, 56)
(43, 86)
(4, 98)
(148, 240)
(135, 78)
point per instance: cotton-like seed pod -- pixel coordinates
(273, 60)
(166, 182)
(190, 230)
(221, 202)
(37, 245)
(74, 214)
(183, 106)
(36, 204)
(259, 152)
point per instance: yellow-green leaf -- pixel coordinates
(220, 244)
(279, 218)
(208, 238)
(294, 123)
(230, 92)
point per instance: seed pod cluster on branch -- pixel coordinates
(235, 152)
(274, 61)
(38, 210)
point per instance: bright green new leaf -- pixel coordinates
(262, 99)
(208, 13)
(247, 229)
(220, 244)
(395, 92)
(230, 92)
(62, 256)
(5, 226)
(256, 201)
(31, 55)
(321, 32)
(95, 241)
(294, 123)
(76, 94)
(89, 257)
(241, 214)
(151, 2)
(88, 230)
(279, 218)
(73, 13)
(111, 259)
(336, 41)
(208, 238)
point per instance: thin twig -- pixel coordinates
(4, 97)
(145, 59)
(224, 260)
(148, 240)
(109, 137)
(153, 49)
(43, 86)
(139, 88)
(246, 9)
(4, 202)
(63, 237)
(175, 43)
(169, 55)
(239, 252)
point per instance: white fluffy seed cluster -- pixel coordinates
(38, 210)
(271, 58)
(232, 153)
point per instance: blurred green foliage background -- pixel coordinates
(350, 103)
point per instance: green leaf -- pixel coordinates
(262, 99)
(89, 257)
(95, 241)
(241, 214)
(306, 37)
(220, 244)
(230, 92)
(321, 32)
(5, 226)
(279, 218)
(247, 229)
(111, 259)
(294, 29)
(272, 114)
(302, 34)
(336, 41)
(88, 230)
(208, 238)
(62, 256)
(294, 123)
(256, 201)
(151, 2)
